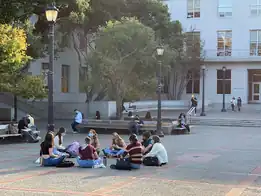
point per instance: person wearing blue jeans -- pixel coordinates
(47, 152)
(77, 120)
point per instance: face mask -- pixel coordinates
(90, 134)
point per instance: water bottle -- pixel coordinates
(105, 160)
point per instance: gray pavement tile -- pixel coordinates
(251, 192)
(33, 193)
(160, 188)
(257, 182)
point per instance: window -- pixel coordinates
(45, 69)
(227, 81)
(193, 85)
(255, 9)
(194, 35)
(193, 8)
(82, 79)
(255, 43)
(224, 8)
(65, 79)
(224, 43)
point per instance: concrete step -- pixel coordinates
(226, 122)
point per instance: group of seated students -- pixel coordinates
(149, 151)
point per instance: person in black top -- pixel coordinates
(23, 124)
(48, 158)
(194, 103)
(239, 103)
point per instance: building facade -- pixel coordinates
(231, 33)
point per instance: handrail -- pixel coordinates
(189, 113)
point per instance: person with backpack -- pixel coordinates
(158, 155)
(88, 156)
(77, 120)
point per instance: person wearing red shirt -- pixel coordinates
(88, 156)
(134, 149)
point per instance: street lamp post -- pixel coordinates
(160, 52)
(51, 16)
(223, 88)
(203, 91)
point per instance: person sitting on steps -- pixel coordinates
(77, 120)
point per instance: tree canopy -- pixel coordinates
(123, 57)
(12, 60)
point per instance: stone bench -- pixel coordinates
(123, 125)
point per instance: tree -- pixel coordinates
(185, 58)
(123, 57)
(12, 60)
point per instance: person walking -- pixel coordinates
(239, 103)
(194, 103)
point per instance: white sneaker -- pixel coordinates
(38, 161)
(38, 138)
(75, 132)
(195, 114)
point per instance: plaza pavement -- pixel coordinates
(211, 161)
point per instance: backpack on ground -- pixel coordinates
(151, 161)
(73, 149)
(65, 164)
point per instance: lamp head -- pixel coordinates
(51, 13)
(160, 51)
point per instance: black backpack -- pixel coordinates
(65, 164)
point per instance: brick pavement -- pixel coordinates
(212, 161)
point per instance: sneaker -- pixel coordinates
(195, 114)
(38, 138)
(75, 132)
(38, 161)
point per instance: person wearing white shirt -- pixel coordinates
(58, 140)
(77, 120)
(158, 155)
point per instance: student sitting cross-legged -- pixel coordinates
(146, 142)
(47, 155)
(117, 147)
(88, 156)
(158, 155)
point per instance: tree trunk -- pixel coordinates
(119, 108)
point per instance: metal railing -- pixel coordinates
(189, 114)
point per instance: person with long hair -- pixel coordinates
(158, 155)
(47, 155)
(95, 140)
(58, 140)
(117, 147)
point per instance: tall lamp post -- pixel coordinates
(203, 91)
(51, 16)
(223, 88)
(160, 52)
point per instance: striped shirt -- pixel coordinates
(135, 152)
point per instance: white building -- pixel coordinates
(231, 31)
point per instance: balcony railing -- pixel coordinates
(232, 55)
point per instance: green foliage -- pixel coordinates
(123, 57)
(12, 59)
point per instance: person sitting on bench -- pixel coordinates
(146, 142)
(182, 122)
(117, 148)
(47, 155)
(23, 124)
(158, 155)
(88, 156)
(77, 120)
(135, 125)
